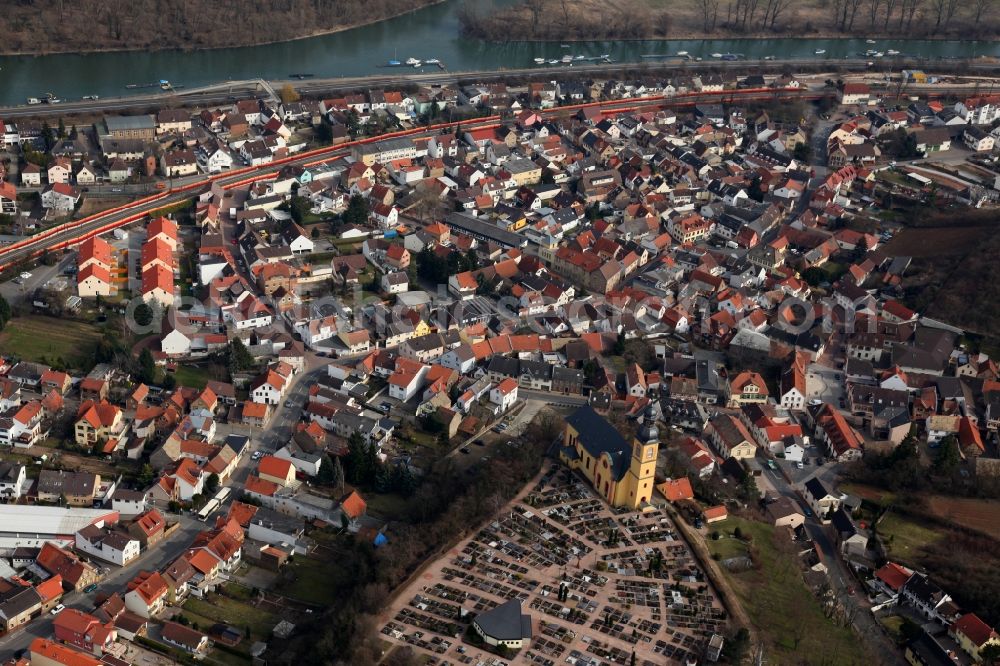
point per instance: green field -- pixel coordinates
(783, 610)
(45, 339)
(726, 547)
(235, 613)
(312, 582)
(905, 538)
(191, 376)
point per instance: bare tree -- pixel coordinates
(944, 12)
(979, 7)
(907, 11)
(536, 7)
(874, 6)
(890, 7)
(851, 12)
(709, 10)
(777, 8)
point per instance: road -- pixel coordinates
(162, 554)
(226, 91)
(281, 426)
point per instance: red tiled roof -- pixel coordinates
(255, 484)
(157, 276)
(151, 522)
(715, 512)
(273, 466)
(45, 649)
(353, 505)
(676, 489)
(94, 270)
(893, 575)
(162, 225)
(977, 631)
(50, 589)
(149, 585)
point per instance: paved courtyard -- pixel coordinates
(633, 584)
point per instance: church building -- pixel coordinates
(623, 475)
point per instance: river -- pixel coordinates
(428, 33)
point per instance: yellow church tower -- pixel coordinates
(637, 486)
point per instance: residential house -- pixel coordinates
(822, 502)
(729, 437)
(71, 488)
(185, 638)
(746, 388)
(82, 630)
(277, 470)
(923, 595)
(110, 545)
(972, 635)
(147, 594)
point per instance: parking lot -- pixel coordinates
(632, 584)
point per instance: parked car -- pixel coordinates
(799, 464)
(58, 609)
(465, 450)
(90, 588)
(479, 442)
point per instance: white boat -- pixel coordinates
(553, 62)
(567, 58)
(869, 41)
(879, 54)
(564, 46)
(820, 51)
(716, 55)
(412, 61)
(580, 57)
(539, 61)
(682, 53)
(605, 56)
(892, 52)
(432, 61)
(769, 57)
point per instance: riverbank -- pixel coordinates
(544, 21)
(88, 48)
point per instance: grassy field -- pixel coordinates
(386, 505)
(312, 582)
(232, 612)
(904, 537)
(786, 614)
(37, 338)
(191, 376)
(726, 546)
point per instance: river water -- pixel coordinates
(424, 34)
